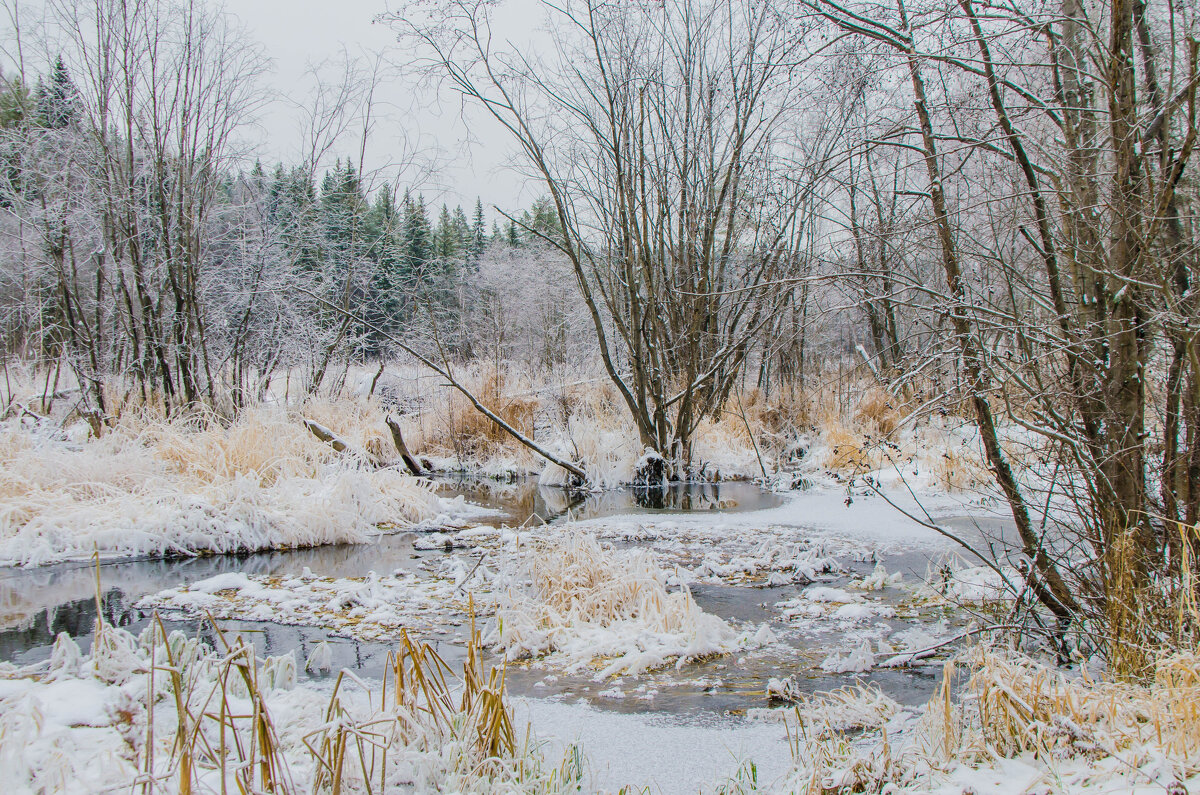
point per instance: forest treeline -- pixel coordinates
(267, 270)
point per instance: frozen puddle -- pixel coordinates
(666, 754)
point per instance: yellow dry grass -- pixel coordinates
(848, 453)
(1018, 705)
(955, 468)
(1011, 705)
(576, 577)
(461, 717)
(450, 425)
(152, 486)
(876, 412)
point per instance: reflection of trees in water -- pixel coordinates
(37, 604)
(668, 497)
(680, 497)
(525, 501)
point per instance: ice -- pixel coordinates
(835, 595)
(857, 660)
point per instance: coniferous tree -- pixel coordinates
(14, 113)
(343, 206)
(446, 237)
(390, 280)
(462, 233)
(416, 236)
(292, 209)
(544, 219)
(14, 102)
(478, 235)
(56, 100)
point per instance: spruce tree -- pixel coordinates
(342, 210)
(14, 99)
(462, 232)
(416, 236)
(385, 304)
(57, 100)
(544, 219)
(446, 237)
(293, 209)
(477, 235)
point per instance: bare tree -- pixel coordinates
(660, 133)
(1086, 240)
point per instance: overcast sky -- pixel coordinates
(412, 125)
(299, 33)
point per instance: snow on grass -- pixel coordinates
(853, 708)
(565, 599)
(374, 607)
(1018, 726)
(856, 660)
(584, 603)
(705, 548)
(155, 488)
(178, 716)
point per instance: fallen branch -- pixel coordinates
(445, 372)
(327, 436)
(909, 657)
(410, 461)
(339, 444)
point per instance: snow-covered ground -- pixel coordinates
(656, 643)
(153, 488)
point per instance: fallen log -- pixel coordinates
(446, 373)
(414, 466)
(325, 435)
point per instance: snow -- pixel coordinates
(665, 756)
(856, 661)
(609, 600)
(165, 489)
(230, 581)
(835, 595)
(374, 607)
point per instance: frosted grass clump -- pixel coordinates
(584, 603)
(176, 715)
(153, 488)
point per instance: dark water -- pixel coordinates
(37, 604)
(525, 502)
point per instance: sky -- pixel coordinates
(298, 34)
(451, 161)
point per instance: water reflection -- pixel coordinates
(37, 604)
(527, 501)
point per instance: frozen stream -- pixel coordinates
(670, 705)
(38, 603)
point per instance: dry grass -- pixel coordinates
(848, 453)
(825, 758)
(587, 602)
(1014, 704)
(876, 411)
(196, 719)
(955, 468)
(149, 486)
(448, 426)
(423, 705)
(1101, 732)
